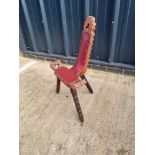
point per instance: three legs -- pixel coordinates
(75, 97)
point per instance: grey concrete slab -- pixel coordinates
(49, 123)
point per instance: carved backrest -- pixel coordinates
(86, 43)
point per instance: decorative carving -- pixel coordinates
(57, 64)
(77, 104)
(89, 26)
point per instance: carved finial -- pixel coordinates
(89, 25)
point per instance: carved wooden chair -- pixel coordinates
(74, 77)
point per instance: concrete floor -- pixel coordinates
(49, 123)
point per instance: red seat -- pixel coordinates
(66, 75)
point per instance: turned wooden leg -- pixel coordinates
(77, 104)
(87, 84)
(58, 85)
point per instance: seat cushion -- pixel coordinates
(66, 75)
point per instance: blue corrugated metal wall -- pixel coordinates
(53, 27)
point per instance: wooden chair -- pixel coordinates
(74, 77)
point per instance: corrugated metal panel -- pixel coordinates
(54, 23)
(102, 10)
(125, 45)
(54, 27)
(74, 19)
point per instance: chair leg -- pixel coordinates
(77, 104)
(58, 86)
(87, 84)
